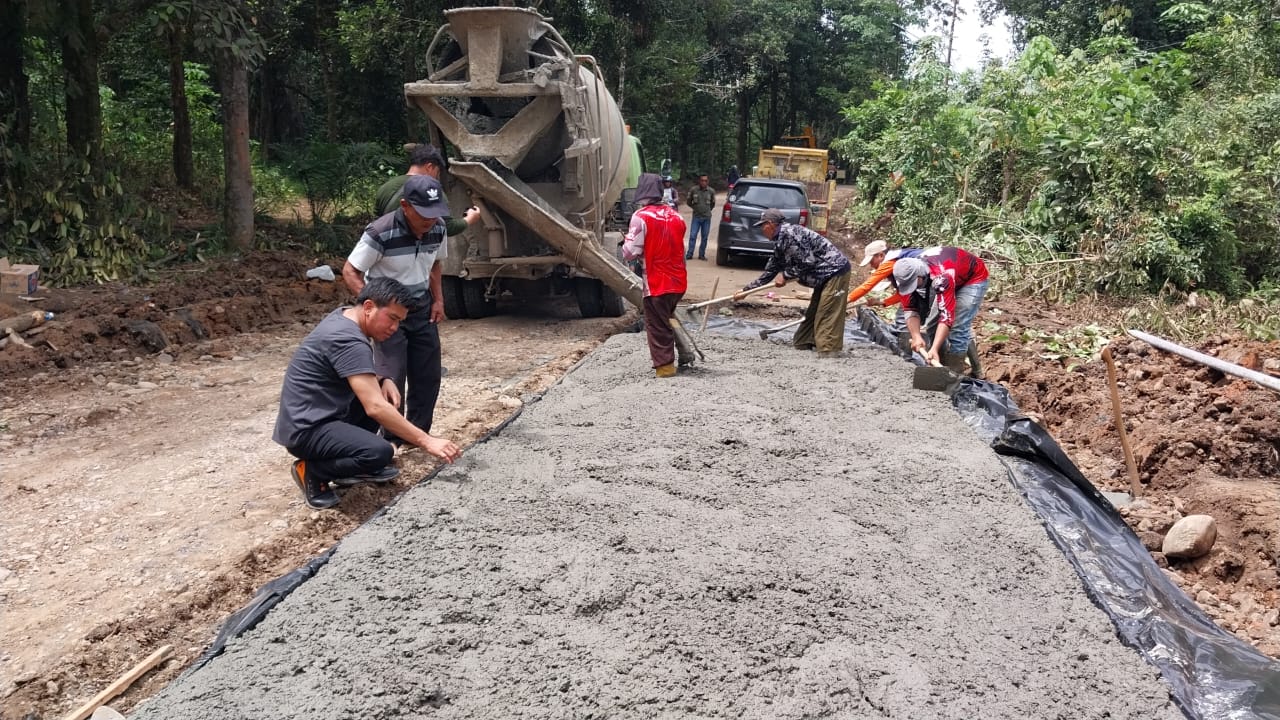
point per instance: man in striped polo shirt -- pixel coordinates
(406, 245)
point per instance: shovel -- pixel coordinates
(935, 377)
(769, 331)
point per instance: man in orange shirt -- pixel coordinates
(878, 255)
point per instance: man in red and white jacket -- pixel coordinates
(656, 233)
(952, 282)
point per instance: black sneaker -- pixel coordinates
(385, 475)
(317, 494)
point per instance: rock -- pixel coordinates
(147, 385)
(149, 335)
(106, 713)
(1206, 598)
(1244, 358)
(164, 359)
(51, 688)
(100, 632)
(1190, 537)
(1152, 541)
(1271, 366)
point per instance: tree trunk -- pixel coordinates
(1006, 185)
(238, 183)
(327, 19)
(744, 114)
(15, 97)
(265, 116)
(183, 163)
(771, 133)
(80, 78)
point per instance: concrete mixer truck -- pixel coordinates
(539, 146)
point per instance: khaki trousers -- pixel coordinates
(823, 325)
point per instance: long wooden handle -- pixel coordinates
(727, 298)
(1135, 483)
(780, 328)
(122, 683)
(793, 323)
(714, 286)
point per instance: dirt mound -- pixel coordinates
(188, 305)
(1204, 443)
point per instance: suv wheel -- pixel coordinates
(722, 256)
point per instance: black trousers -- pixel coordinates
(344, 448)
(413, 354)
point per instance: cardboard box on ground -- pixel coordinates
(18, 279)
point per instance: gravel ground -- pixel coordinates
(769, 535)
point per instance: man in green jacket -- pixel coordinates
(702, 200)
(424, 159)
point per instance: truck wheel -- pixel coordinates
(454, 307)
(473, 299)
(722, 257)
(611, 303)
(590, 293)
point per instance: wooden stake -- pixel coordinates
(122, 683)
(1134, 483)
(706, 313)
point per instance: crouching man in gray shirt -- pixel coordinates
(332, 402)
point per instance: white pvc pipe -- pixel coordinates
(1222, 366)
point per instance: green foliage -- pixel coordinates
(338, 180)
(79, 225)
(1107, 169)
(1187, 318)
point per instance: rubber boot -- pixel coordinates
(975, 363)
(954, 362)
(668, 370)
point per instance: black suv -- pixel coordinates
(746, 202)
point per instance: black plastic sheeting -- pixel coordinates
(267, 597)
(1212, 674)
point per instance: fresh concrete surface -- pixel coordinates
(770, 535)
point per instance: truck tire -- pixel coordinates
(722, 257)
(454, 307)
(595, 299)
(473, 299)
(611, 303)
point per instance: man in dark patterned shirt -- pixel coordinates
(803, 254)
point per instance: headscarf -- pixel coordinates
(649, 189)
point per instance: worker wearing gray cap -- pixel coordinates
(951, 282)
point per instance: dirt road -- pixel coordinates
(145, 501)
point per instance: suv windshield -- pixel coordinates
(767, 196)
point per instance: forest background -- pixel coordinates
(1130, 148)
